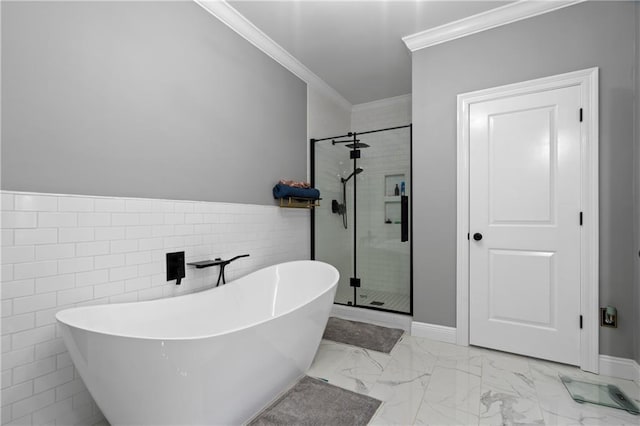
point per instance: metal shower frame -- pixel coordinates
(354, 155)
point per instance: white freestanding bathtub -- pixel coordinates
(208, 358)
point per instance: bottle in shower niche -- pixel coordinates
(396, 190)
(402, 188)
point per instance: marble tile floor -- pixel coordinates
(425, 382)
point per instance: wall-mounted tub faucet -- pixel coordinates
(223, 264)
(216, 262)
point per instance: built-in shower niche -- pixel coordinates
(392, 206)
(392, 212)
(390, 183)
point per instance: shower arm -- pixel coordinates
(333, 142)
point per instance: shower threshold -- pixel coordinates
(377, 299)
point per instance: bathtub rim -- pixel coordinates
(195, 294)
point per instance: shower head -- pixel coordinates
(357, 145)
(351, 144)
(356, 172)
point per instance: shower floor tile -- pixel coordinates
(434, 383)
(384, 299)
(375, 298)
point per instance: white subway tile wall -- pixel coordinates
(60, 251)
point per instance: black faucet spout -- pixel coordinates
(235, 258)
(223, 264)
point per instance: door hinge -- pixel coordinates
(581, 115)
(580, 218)
(354, 282)
(580, 322)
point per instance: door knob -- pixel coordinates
(477, 236)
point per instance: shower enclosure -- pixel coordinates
(363, 226)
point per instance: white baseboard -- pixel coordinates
(440, 333)
(385, 319)
(612, 366)
(622, 368)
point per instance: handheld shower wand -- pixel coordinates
(342, 209)
(355, 172)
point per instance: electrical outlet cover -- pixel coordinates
(604, 323)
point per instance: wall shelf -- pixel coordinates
(299, 203)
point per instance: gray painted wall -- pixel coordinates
(326, 117)
(636, 254)
(578, 37)
(144, 99)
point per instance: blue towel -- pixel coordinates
(283, 191)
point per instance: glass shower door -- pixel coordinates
(383, 249)
(363, 223)
(332, 220)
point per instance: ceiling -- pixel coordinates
(355, 46)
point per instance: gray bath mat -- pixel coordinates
(368, 336)
(314, 402)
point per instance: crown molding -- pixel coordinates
(382, 103)
(493, 18)
(229, 16)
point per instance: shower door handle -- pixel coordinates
(404, 218)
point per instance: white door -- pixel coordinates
(524, 204)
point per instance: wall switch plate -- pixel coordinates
(175, 266)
